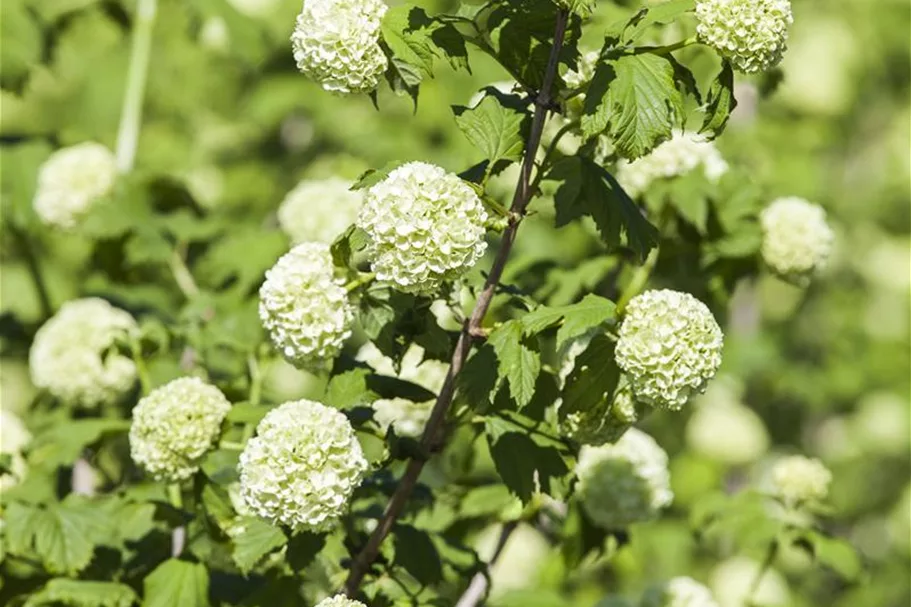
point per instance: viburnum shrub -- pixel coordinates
(269, 386)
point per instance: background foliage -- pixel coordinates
(230, 127)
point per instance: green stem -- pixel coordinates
(664, 50)
(136, 349)
(231, 445)
(362, 279)
(131, 115)
(256, 380)
(175, 498)
(549, 151)
(182, 275)
(763, 569)
(34, 269)
(638, 281)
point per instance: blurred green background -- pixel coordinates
(824, 371)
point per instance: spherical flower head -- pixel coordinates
(752, 34)
(414, 368)
(407, 418)
(71, 181)
(681, 154)
(73, 356)
(723, 429)
(336, 43)
(797, 479)
(175, 425)
(302, 467)
(796, 239)
(602, 424)
(623, 483)
(426, 227)
(304, 307)
(319, 210)
(732, 583)
(339, 600)
(679, 592)
(669, 346)
(14, 437)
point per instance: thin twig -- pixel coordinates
(131, 115)
(430, 441)
(477, 589)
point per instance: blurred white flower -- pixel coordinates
(881, 422)
(731, 583)
(339, 600)
(319, 210)
(681, 154)
(426, 227)
(679, 592)
(797, 479)
(302, 467)
(796, 239)
(752, 34)
(304, 308)
(623, 483)
(14, 437)
(73, 355)
(406, 417)
(175, 425)
(669, 346)
(336, 43)
(71, 181)
(425, 372)
(722, 428)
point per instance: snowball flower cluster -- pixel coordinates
(681, 154)
(318, 210)
(339, 600)
(796, 239)
(175, 425)
(798, 479)
(336, 43)
(669, 346)
(71, 181)
(623, 483)
(14, 437)
(304, 307)
(73, 356)
(680, 591)
(752, 34)
(427, 373)
(426, 227)
(302, 467)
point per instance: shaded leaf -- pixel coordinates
(720, 102)
(257, 540)
(177, 582)
(415, 552)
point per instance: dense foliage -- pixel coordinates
(518, 302)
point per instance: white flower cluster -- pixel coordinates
(14, 437)
(797, 479)
(318, 210)
(336, 43)
(669, 346)
(175, 425)
(427, 373)
(339, 600)
(72, 356)
(302, 467)
(71, 181)
(603, 424)
(426, 227)
(722, 428)
(407, 418)
(681, 154)
(796, 239)
(752, 34)
(304, 307)
(680, 591)
(578, 78)
(623, 483)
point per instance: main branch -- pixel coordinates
(432, 431)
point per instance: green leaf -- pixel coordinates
(303, 548)
(577, 318)
(61, 535)
(220, 466)
(497, 131)
(83, 593)
(177, 582)
(524, 465)
(634, 100)
(62, 444)
(257, 540)
(657, 14)
(478, 381)
(518, 362)
(582, 8)
(588, 189)
(247, 413)
(593, 379)
(349, 389)
(240, 259)
(405, 32)
(345, 246)
(720, 102)
(415, 552)
(148, 246)
(486, 501)
(836, 553)
(371, 177)
(580, 536)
